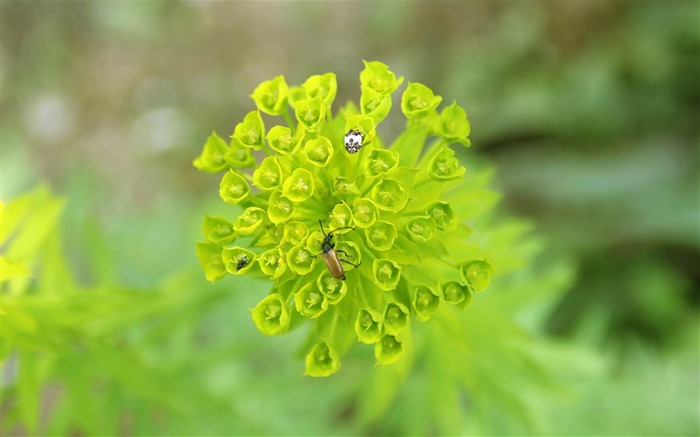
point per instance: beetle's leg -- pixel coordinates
(352, 264)
(341, 251)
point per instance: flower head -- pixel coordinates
(354, 236)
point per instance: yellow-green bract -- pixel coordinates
(401, 207)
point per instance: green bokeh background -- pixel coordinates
(590, 112)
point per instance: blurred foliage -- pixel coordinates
(588, 109)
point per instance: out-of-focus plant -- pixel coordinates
(390, 218)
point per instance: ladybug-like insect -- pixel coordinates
(353, 141)
(330, 255)
(242, 262)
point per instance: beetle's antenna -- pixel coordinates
(321, 225)
(340, 229)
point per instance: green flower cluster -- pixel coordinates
(396, 248)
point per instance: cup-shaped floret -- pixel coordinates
(381, 235)
(368, 326)
(444, 166)
(388, 350)
(455, 293)
(340, 217)
(280, 208)
(364, 124)
(296, 93)
(322, 86)
(272, 263)
(311, 112)
(334, 289)
(418, 100)
(237, 260)
(249, 221)
(268, 176)
(218, 230)
(375, 104)
(453, 125)
(344, 187)
(364, 213)
(377, 76)
(271, 315)
(389, 195)
(251, 131)
(395, 317)
(386, 274)
(282, 141)
(348, 251)
(477, 273)
(315, 242)
(310, 302)
(379, 162)
(238, 155)
(425, 302)
(233, 188)
(213, 156)
(300, 260)
(271, 96)
(299, 186)
(441, 213)
(322, 361)
(209, 256)
(295, 232)
(420, 229)
(318, 151)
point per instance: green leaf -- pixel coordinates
(10, 270)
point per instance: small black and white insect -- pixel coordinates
(353, 141)
(242, 262)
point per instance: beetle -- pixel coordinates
(330, 255)
(353, 141)
(242, 262)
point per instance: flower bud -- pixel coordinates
(368, 326)
(453, 125)
(388, 195)
(282, 141)
(271, 96)
(237, 260)
(209, 256)
(425, 302)
(251, 131)
(310, 302)
(272, 263)
(299, 186)
(322, 86)
(249, 221)
(395, 318)
(311, 112)
(271, 315)
(318, 151)
(420, 229)
(322, 361)
(268, 176)
(379, 162)
(378, 77)
(477, 273)
(280, 208)
(340, 217)
(381, 235)
(233, 188)
(444, 166)
(418, 100)
(295, 233)
(386, 274)
(334, 289)
(441, 213)
(388, 350)
(364, 213)
(455, 293)
(218, 230)
(212, 159)
(300, 260)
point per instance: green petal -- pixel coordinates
(344, 187)
(388, 350)
(379, 162)
(340, 217)
(444, 166)
(322, 86)
(442, 215)
(455, 293)
(299, 186)
(310, 302)
(272, 263)
(249, 221)
(282, 141)
(418, 101)
(425, 302)
(334, 289)
(420, 229)
(251, 131)
(368, 326)
(375, 104)
(279, 208)
(395, 318)
(453, 125)
(318, 151)
(364, 213)
(271, 315)
(238, 155)
(477, 273)
(300, 260)
(389, 195)
(209, 256)
(271, 96)
(381, 235)
(233, 188)
(295, 233)
(378, 77)
(311, 113)
(386, 274)
(322, 361)
(218, 230)
(268, 176)
(213, 156)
